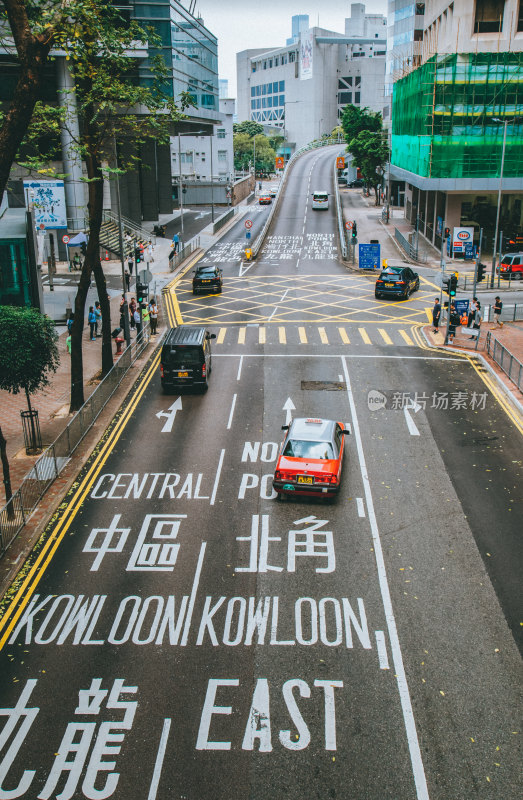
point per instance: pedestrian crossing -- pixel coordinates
(313, 335)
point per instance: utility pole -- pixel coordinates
(493, 272)
(478, 259)
(212, 193)
(126, 328)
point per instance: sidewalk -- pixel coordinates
(510, 336)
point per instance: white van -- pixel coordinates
(320, 200)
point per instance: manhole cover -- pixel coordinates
(322, 386)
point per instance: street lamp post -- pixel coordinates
(180, 198)
(212, 191)
(498, 211)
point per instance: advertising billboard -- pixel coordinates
(460, 238)
(306, 44)
(48, 200)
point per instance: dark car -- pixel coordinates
(265, 200)
(357, 184)
(186, 360)
(396, 282)
(207, 279)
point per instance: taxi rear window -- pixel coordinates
(318, 196)
(298, 448)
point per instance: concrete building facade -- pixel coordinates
(302, 88)
(457, 120)
(204, 158)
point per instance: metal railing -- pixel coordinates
(224, 219)
(511, 366)
(263, 233)
(339, 216)
(184, 253)
(410, 249)
(49, 465)
(509, 313)
(129, 225)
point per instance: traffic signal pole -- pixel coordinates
(478, 259)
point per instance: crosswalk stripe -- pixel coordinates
(303, 336)
(428, 312)
(406, 338)
(323, 336)
(221, 335)
(344, 338)
(261, 335)
(241, 335)
(282, 335)
(385, 336)
(364, 335)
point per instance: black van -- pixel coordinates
(186, 358)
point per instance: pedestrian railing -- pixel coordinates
(511, 366)
(184, 253)
(509, 313)
(49, 465)
(224, 219)
(408, 247)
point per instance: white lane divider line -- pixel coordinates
(274, 310)
(284, 295)
(418, 770)
(192, 599)
(159, 759)
(383, 656)
(217, 478)
(232, 411)
(240, 365)
(361, 507)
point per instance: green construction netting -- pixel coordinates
(447, 115)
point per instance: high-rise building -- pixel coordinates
(457, 119)
(302, 88)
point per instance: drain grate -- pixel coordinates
(322, 386)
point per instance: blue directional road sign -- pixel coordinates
(369, 256)
(248, 235)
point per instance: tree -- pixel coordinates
(355, 119)
(249, 127)
(371, 152)
(28, 352)
(112, 110)
(243, 151)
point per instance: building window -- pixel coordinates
(291, 58)
(253, 103)
(186, 158)
(489, 16)
(253, 68)
(276, 62)
(264, 65)
(221, 131)
(520, 17)
(418, 35)
(252, 91)
(357, 81)
(282, 86)
(344, 97)
(420, 9)
(270, 63)
(357, 97)
(222, 155)
(284, 59)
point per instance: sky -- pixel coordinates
(242, 25)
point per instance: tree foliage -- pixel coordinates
(244, 152)
(249, 127)
(28, 349)
(371, 152)
(355, 119)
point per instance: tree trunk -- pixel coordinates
(7, 476)
(95, 223)
(33, 52)
(77, 367)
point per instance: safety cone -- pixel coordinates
(106, 256)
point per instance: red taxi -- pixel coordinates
(265, 200)
(310, 459)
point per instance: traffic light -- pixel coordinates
(142, 290)
(447, 233)
(481, 272)
(137, 255)
(453, 284)
(354, 230)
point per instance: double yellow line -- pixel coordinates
(58, 528)
(169, 295)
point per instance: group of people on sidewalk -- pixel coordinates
(149, 314)
(471, 321)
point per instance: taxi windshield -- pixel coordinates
(298, 448)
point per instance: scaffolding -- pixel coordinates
(446, 116)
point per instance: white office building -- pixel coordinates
(193, 158)
(302, 88)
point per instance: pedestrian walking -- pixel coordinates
(91, 319)
(123, 309)
(176, 242)
(127, 279)
(132, 309)
(130, 265)
(145, 315)
(98, 315)
(153, 311)
(138, 323)
(436, 314)
(68, 343)
(498, 308)
(70, 321)
(472, 312)
(454, 321)
(476, 320)
(150, 250)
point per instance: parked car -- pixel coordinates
(511, 266)
(396, 282)
(357, 184)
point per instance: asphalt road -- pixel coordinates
(179, 634)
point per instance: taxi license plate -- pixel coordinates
(183, 374)
(305, 479)
(389, 285)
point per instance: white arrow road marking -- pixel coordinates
(408, 419)
(243, 269)
(289, 407)
(170, 415)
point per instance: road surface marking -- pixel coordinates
(385, 336)
(232, 411)
(361, 507)
(240, 365)
(262, 335)
(411, 425)
(192, 598)
(406, 338)
(159, 759)
(303, 335)
(284, 295)
(241, 335)
(221, 335)
(364, 335)
(381, 647)
(274, 310)
(288, 407)
(217, 478)
(399, 669)
(282, 335)
(428, 312)
(323, 336)
(344, 338)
